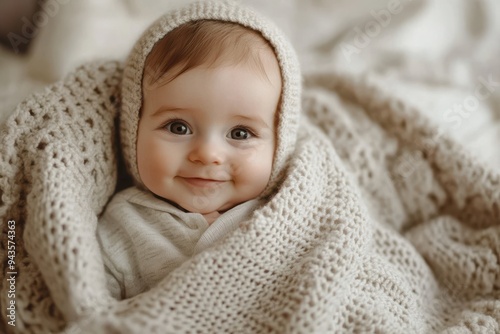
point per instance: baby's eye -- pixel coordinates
(240, 134)
(178, 128)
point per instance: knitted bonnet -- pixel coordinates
(228, 11)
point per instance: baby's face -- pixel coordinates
(206, 139)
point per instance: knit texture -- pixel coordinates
(227, 11)
(58, 169)
(382, 224)
(143, 238)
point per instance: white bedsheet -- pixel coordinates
(436, 54)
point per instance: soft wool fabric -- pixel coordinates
(144, 238)
(381, 224)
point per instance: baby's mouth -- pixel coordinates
(201, 182)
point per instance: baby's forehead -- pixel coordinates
(208, 43)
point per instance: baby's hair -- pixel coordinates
(204, 42)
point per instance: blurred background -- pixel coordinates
(442, 56)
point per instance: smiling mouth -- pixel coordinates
(199, 182)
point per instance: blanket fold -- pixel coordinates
(381, 224)
(472, 187)
(58, 170)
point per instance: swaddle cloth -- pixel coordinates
(379, 223)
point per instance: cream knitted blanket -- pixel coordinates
(381, 225)
(374, 221)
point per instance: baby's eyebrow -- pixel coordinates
(257, 119)
(164, 109)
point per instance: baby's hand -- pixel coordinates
(211, 217)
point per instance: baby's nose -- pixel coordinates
(207, 151)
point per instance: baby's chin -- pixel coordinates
(204, 205)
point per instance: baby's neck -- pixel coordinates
(211, 217)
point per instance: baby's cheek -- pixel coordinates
(161, 159)
(149, 161)
(254, 168)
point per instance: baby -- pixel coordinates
(205, 148)
(206, 135)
